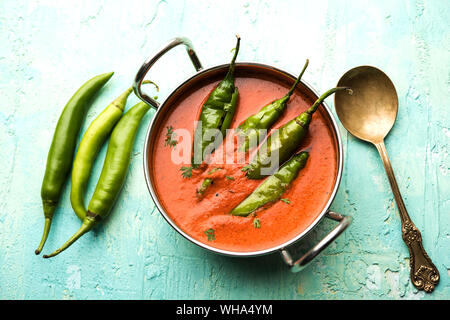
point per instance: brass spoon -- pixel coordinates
(369, 114)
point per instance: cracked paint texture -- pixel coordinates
(49, 48)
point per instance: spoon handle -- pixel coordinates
(424, 274)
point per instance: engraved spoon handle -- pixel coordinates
(424, 274)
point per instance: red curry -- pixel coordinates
(280, 222)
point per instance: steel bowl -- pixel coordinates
(205, 75)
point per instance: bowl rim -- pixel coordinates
(153, 194)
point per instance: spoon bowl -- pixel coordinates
(369, 113)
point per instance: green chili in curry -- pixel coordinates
(272, 188)
(284, 142)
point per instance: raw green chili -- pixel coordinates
(93, 139)
(285, 142)
(216, 115)
(60, 155)
(114, 171)
(273, 187)
(249, 130)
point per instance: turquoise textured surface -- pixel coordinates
(49, 48)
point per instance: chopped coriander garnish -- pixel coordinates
(256, 223)
(229, 178)
(210, 234)
(286, 201)
(170, 136)
(186, 172)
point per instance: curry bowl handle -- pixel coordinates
(140, 75)
(300, 264)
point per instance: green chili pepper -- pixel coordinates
(62, 149)
(273, 187)
(250, 128)
(93, 139)
(216, 114)
(284, 142)
(114, 171)
(205, 185)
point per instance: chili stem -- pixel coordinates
(323, 97)
(291, 91)
(236, 50)
(87, 225)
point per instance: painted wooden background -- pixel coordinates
(49, 48)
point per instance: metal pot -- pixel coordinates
(215, 72)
